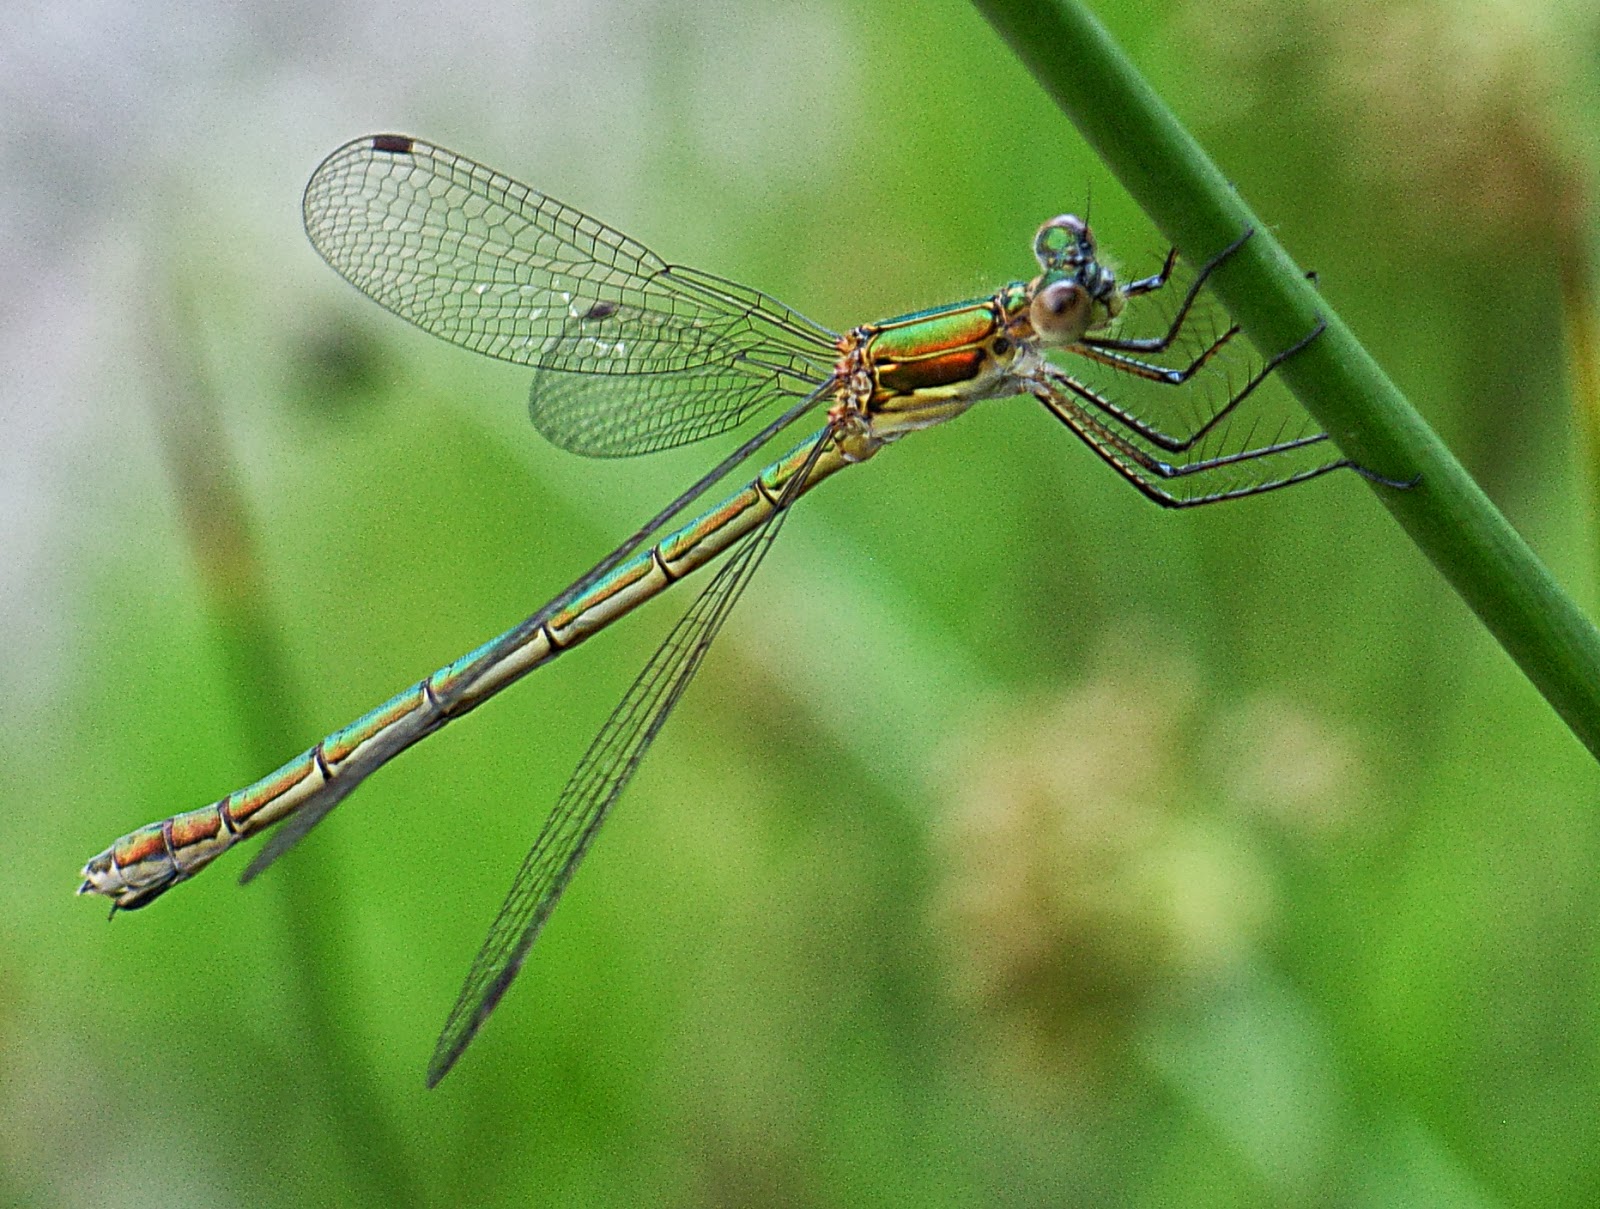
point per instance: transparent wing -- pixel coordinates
(495, 266)
(607, 416)
(596, 783)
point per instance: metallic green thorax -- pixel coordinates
(921, 369)
(944, 350)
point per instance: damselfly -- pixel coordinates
(634, 355)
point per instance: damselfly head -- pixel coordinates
(1075, 293)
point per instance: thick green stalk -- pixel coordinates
(1446, 514)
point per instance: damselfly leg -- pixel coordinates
(1075, 403)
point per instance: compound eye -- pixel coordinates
(1062, 241)
(1060, 312)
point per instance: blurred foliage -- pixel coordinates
(1019, 844)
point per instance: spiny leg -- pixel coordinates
(1148, 285)
(1060, 379)
(1118, 352)
(1105, 350)
(1156, 281)
(1151, 475)
(1164, 374)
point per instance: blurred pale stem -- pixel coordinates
(217, 525)
(1581, 312)
(1446, 514)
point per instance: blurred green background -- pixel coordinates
(1020, 843)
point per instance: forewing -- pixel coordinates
(495, 266)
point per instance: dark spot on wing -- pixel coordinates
(394, 144)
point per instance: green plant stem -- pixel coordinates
(1445, 513)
